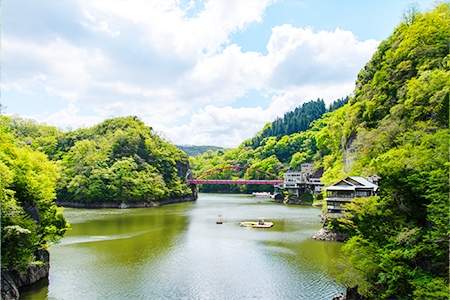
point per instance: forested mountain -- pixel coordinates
(193, 150)
(294, 121)
(396, 126)
(269, 154)
(119, 160)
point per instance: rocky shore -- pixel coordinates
(350, 294)
(327, 235)
(12, 281)
(125, 205)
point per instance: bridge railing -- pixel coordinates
(237, 181)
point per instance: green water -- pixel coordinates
(178, 252)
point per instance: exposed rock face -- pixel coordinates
(183, 169)
(328, 235)
(9, 287)
(12, 280)
(349, 152)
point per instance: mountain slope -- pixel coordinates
(294, 121)
(396, 126)
(118, 160)
(270, 153)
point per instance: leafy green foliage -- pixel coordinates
(272, 144)
(396, 126)
(399, 243)
(120, 160)
(30, 218)
(294, 121)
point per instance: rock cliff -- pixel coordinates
(12, 281)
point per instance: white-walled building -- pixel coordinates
(346, 190)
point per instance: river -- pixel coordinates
(178, 252)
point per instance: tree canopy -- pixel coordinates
(395, 125)
(120, 160)
(284, 144)
(30, 218)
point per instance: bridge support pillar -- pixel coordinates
(194, 190)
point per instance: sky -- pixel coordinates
(198, 72)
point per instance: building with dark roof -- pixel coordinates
(345, 190)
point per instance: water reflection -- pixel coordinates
(178, 252)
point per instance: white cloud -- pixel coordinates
(219, 125)
(62, 68)
(226, 76)
(180, 73)
(166, 26)
(228, 126)
(304, 56)
(70, 118)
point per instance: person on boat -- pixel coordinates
(261, 222)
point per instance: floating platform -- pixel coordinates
(256, 224)
(219, 220)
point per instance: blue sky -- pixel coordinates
(199, 72)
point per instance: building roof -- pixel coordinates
(352, 183)
(364, 181)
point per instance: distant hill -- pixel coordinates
(192, 150)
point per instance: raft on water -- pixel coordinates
(219, 220)
(259, 224)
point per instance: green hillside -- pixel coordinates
(270, 153)
(118, 160)
(395, 125)
(295, 121)
(30, 219)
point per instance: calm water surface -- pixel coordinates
(178, 252)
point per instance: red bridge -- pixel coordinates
(238, 181)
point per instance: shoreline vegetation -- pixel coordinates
(396, 125)
(43, 167)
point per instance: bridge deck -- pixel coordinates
(238, 181)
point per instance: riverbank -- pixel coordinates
(123, 205)
(13, 281)
(325, 234)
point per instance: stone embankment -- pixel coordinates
(327, 235)
(125, 205)
(13, 281)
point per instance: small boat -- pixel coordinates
(219, 219)
(259, 224)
